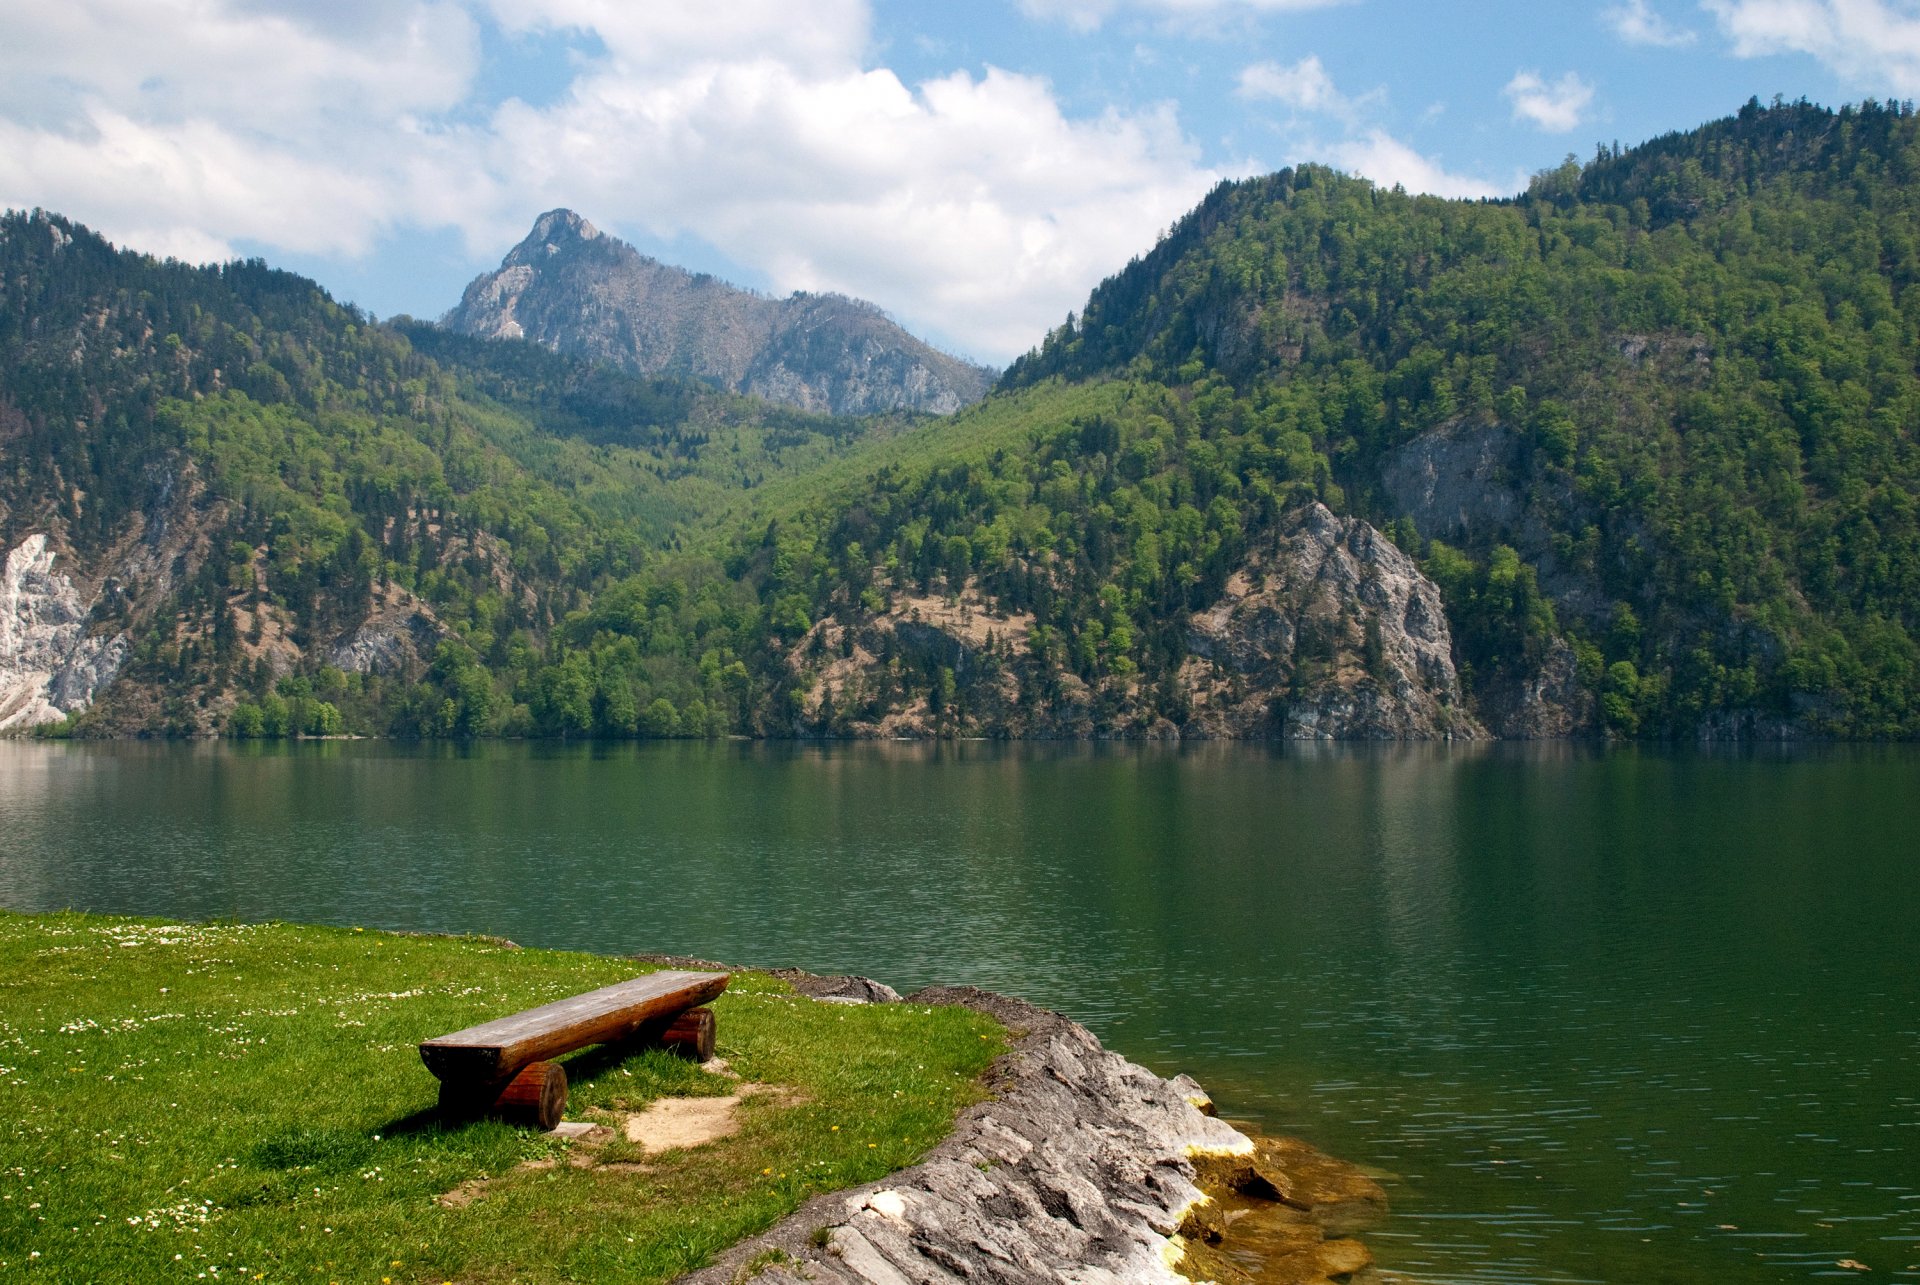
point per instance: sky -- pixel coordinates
(973, 168)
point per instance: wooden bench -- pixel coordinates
(505, 1067)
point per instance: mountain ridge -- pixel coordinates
(1636, 454)
(575, 289)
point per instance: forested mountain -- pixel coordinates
(579, 291)
(1633, 452)
(235, 489)
(1650, 427)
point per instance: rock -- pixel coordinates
(1546, 703)
(852, 990)
(1329, 1261)
(1328, 633)
(1333, 1192)
(1332, 634)
(1750, 726)
(50, 666)
(397, 637)
(577, 290)
(840, 990)
(1457, 482)
(1078, 1169)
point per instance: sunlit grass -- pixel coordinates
(232, 1101)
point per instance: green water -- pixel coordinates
(1620, 1016)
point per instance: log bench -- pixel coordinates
(505, 1067)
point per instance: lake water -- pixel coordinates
(1624, 1016)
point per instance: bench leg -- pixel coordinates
(688, 1033)
(536, 1096)
(691, 1034)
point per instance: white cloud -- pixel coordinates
(189, 189)
(1305, 85)
(183, 126)
(1872, 44)
(257, 67)
(1368, 151)
(970, 205)
(1389, 162)
(1089, 15)
(1555, 108)
(1635, 22)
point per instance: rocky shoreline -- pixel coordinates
(1080, 1167)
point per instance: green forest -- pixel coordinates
(1686, 376)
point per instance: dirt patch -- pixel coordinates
(463, 1195)
(670, 1123)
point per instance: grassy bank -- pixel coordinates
(237, 1101)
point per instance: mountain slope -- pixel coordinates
(578, 291)
(1650, 429)
(228, 501)
(1678, 383)
(1632, 453)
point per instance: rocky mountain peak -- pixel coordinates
(577, 290)
(554, 231)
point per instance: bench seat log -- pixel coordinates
(496, 1051)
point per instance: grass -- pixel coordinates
(245, 1102)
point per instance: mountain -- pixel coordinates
(579, 291)
(1635, 453)
(1650, 432)
(230, 503)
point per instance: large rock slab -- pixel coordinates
(1082, 1168)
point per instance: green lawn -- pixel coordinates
(242, 1101)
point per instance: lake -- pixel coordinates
(1620, 1015)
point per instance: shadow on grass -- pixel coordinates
(582, 1068)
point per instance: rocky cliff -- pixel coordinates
(1331, 634)
(51, 665)
(1326, 632)
(70, 615)
(579, 291)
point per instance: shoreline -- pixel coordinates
(1080, 1166)
(1052, 1159)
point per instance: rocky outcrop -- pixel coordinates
(1475, 484)
(1331, 634)
(1082, 1167)
(1457, 482)
(579, 291)
(1328, 632)
(50, 665)
(1469, 483)
(1542, 704)
(397, 637)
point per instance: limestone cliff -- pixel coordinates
(579, 291)
(50, 664)
(71, 612)
(1332, 634)
(1326, 632)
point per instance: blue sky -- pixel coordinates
(973, 168)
